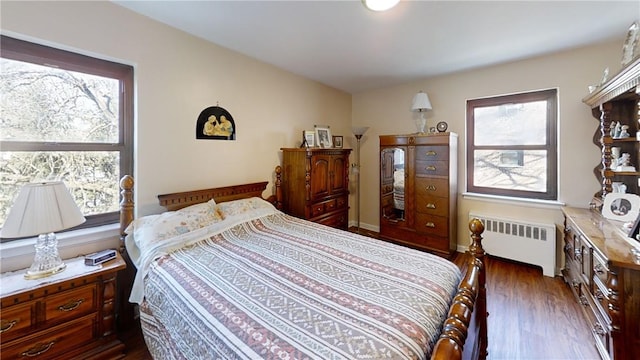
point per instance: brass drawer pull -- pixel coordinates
(431, 168)
(431, 153)
(598, 269)
(71, 305)
(598, 329)
(583, 300)
(431, 188)
(38, 349)
(431, 206)
(7, 325)
(430, 224)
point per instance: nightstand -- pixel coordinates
(69, 315)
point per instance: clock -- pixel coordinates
(441, 126)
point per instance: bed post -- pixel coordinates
(125, 310)
(126, 207)
(464, 332)
(278, 185)
(477, 251)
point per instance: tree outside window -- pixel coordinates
(64, 116)
(512, 145)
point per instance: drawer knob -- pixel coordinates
(38, 349)
(431, 206)
(7, 325)
(430, 224)
(71, 305)
(431, 153)
(431, 168)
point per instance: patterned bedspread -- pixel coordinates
(278, 287)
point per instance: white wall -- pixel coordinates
(176, 77)
(387, 111)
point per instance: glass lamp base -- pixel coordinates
(47, 260)
(420, 123)
(39, 274)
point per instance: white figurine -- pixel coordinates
(624, 131)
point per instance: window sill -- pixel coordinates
(18, 254)
(549, 204)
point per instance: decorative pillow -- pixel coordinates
(151, 229)
(245, 207)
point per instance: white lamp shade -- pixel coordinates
(359, 130)
(42, 208)
(421, 102)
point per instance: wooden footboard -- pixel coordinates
(464, 333)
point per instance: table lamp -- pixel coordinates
(42, 209)
(421, 104)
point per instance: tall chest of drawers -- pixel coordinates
(70, 318)
(418, 190)
(605, 278)
(315, 185)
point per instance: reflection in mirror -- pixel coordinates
(393, 178)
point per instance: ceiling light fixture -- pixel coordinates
(380, 5)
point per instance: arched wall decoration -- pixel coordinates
(215, 123)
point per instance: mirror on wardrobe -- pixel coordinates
(392, 179)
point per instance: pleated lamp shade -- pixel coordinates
(42, 208)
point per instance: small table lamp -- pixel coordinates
(41, 209)
(421, 104)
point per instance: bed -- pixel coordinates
(225, 274)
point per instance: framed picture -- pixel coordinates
(323, 136)
(621, 206)
(337, 141)
(308, 138)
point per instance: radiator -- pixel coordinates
(520, 241)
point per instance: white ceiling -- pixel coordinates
(344, 45)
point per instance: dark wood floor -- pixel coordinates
(530, 317)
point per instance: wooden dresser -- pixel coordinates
(70, 318)
(605, 278)
(315, 185)
(418, 190)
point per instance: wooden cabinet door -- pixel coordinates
(321, 169)
(339, 175)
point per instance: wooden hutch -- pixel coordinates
(600, 267)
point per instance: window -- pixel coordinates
(65, 116)
(512, 145)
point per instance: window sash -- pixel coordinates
(24, 51)
(550, 145)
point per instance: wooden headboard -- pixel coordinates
(179, 200)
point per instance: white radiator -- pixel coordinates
(521, 241)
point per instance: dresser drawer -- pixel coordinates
(432, 187)
(436, 225)
(431, 153)
(328, 206)
(71, 304)
(15, 320)
(52, 342)
(439, 168)
(339, 220)
(600, 328)
(433, 205)
(600, 269)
